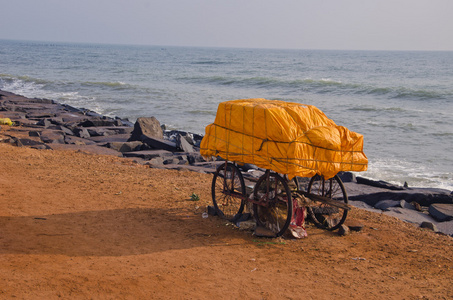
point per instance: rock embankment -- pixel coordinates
(45, 124)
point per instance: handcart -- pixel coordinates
(288, 141)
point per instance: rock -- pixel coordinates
(29, 143)
(446, 227)
(126, 146)
(159, 161)
(157, 143)
(105, 139)
(99, 122)
(423, 196)
(378, 183)
(429, 225)
(195, 157)
(52, 137)
(81, 132)
(184, 144)
(353, 225)
(65, 130)
(408, 215)
(171, 161)
(417, 206)
(343, 230)
(34, 133)
(146, 126)
(347, 177)
(148, 154)
(99, 131)
(44, 122)
(263, 232)
(385, 204)
(73, 140)
(406, 205)
(441, 212)
(212, 211)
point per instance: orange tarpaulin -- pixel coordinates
(288, 138)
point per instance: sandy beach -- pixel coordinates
(78, 225)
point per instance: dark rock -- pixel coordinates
(99, 122)
(212, 211)
(347, 177)
(378, 183)
(73, 140)
(71, 108)
(52, 137)
(65, 130)
(424, 197)
(385, 204)
(195, 157)
(416, 206)
(34, 133)
(172, 161)
(45, 123)
(441, 212)
(121, 138)
(40, 115)
(354, 225)
(98, 131)
(91, 113)
(126, 146)
(429, 225)
(148, 154)
(81, 132)
(343, 230)
(30, 143)
(149, 127)
(156, 143)
(406, 205)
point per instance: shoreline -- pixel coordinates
(46, 124)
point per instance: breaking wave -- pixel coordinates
(321, 86)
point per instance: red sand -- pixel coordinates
(77, 225)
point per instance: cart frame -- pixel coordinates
(275, 200)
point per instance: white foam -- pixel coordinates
(416, 175)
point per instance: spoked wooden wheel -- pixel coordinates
(325, 215)
(276, 207)
(228, 191)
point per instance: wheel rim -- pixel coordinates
(324, 215)
(225, 182)
(276, 215)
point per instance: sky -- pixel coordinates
(284, 24)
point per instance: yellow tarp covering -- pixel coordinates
(288, 138)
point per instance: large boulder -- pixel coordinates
(149, 127)
(441, 211)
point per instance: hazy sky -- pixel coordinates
(301, 24)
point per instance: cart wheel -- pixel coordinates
(277, 208)
(228, 191)
(324, 215)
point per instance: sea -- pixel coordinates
(401, 101)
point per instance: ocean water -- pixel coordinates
(402, 102)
